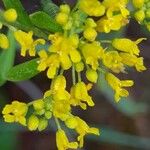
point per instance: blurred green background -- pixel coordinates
(124, 126)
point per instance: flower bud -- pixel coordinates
(91, 75)
(43, 123)
(10, 15)
(138, 3)
(139, 15)
(33, 122)
(62, 18)
(75, 56)
(148, 13)
(90, 34)
(4, 43)
(65, 8)
(79, 66)
(48, 114)
(38, 104)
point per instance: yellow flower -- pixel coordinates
(82, 129)
(133, 61)
(27, 43)
(15, 112)
(128, 45)
(79, 96)
(51, 61)
(115, 22)
(4, 43)
(66, 48)
(10, 15)
(60, 104)
(92, 52)
(92, 8)
(116, 6)
(113, 61)
(117, 85)
(62, 141)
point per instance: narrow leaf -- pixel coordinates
(7, 58)
(42, 20)
(23, 71)
(50, 8)
(111, 136)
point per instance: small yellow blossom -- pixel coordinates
(113, 61)
(52, 62)
(92, 8)
(79, 96)
(114, 23)
(117, 85)
(4, 43)
(133, 61)
(92, 52)
(82, 129)
(10, 15)
(128, 45)
(116, 6)
(62, 141)
(27, 43)
(15, 112)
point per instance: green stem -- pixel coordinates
(106, 41)
(101, 70)
(73, 75)
(79, 77)
(57, 123)
(61, 71)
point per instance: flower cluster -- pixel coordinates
(142, 12)
(77, 48)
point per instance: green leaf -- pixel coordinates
(23, 71)
(50, 8)
(7, 58)
(23, 17)
(42, 20)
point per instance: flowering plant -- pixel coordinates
(64, 38)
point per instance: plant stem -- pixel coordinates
(73, 75)
(57, 123)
